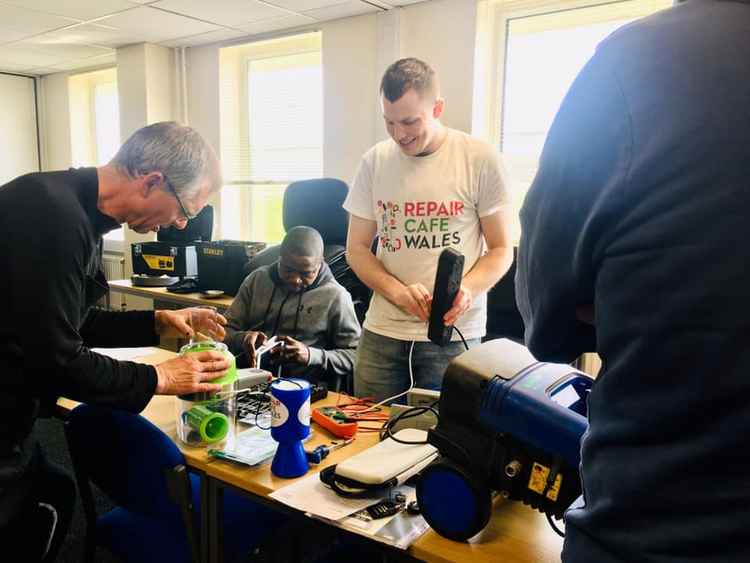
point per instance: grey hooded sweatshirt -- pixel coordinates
(321, 316)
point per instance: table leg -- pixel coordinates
(216, 526)
(205, 518)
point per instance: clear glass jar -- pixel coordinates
(207, 418)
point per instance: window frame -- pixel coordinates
(493, 23)
(242, 76)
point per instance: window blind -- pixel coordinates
(272, 110)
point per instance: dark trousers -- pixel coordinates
(37, 531)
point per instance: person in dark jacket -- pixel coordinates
(51, 225)
(637, 221)
(298, 300)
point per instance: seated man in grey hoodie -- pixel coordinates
(297, 300)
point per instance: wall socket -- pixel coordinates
(416, 398)
(419, 397)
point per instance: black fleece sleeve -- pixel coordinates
(48, 282)
(119, 329)
(567, 210)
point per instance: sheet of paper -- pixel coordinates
(127, 354)
(310, 495)
(263, 419)
(399, 530)
(364, 522)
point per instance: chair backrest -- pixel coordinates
(126, 456)
(198, 228)
(317, 204)
(313, 203)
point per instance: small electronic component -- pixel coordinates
(384, 508)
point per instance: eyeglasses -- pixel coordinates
(185, 213)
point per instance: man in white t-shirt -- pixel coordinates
(425, 189)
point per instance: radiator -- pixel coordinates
(114, 269)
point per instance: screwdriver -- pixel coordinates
(321, 452)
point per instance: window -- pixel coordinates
(271, 130)
(94, 121)
(541, 47)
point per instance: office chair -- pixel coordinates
(199, 228)
(316, 204)
(142, 470)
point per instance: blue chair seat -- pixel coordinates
(147, 524)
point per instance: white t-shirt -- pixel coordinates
(423, 204)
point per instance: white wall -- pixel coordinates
(55, 121)
(18, 127)
(203, 92)
(131, 88)
(442, 33)
(159, 83)
(349, 93)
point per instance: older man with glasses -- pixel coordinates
(51, 225)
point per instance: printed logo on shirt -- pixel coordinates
(423, 224)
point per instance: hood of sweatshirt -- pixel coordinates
(324, 276)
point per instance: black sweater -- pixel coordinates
(641, 207)
(50, 276)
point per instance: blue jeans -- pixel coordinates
(382, 368)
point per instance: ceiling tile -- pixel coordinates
(204, 38)
(12, 67)
(275, 24)
(224, 12)
(61, 50)
(16, 23)
(23, 55)
(41, 71)
(351, 8)
(80, 9)
(150, 24)
(95, 34)
(304, 5)
(85, 63)
(9, 36)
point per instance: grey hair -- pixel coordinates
(177, 151)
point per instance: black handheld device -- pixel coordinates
(447, 283)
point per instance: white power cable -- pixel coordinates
(411, 385)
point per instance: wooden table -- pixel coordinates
(516, 533)
(161, 294)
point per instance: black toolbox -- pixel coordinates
(221, 263)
